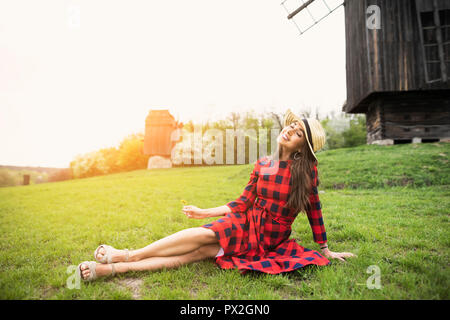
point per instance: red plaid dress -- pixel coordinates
(255, 235)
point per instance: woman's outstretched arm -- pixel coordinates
(314, 213)
(217, 211)
(241, 204)
(197, 213)
(316, 221)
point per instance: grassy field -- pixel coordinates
(388, 204)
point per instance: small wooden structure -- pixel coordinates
(26, 179)
(160, 137)
(398, 74)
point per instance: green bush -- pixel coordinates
(356, 134)
(353, 135)
(128, 156)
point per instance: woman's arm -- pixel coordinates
(197, 213)
(318, 228)
(217, 211)
(241, 204)
(314, 214)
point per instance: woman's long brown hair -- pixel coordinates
(301, 178)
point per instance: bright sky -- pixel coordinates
(77, 76)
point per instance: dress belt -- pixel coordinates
(286, 221)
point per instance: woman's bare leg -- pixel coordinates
(177, 244)
(156, 263)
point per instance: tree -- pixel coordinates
(88, 165)
(131, 156)
(235, 117)
(334, 138)
(111, 158)
(355, 135)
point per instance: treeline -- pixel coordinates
(14, 176)
(127, 157)
(342, 130)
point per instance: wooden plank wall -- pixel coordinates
(374, 122)
(427, 5)
(357, 76)
(383, 60)
(401, 116)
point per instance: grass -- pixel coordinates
(374, 166)
(387, 204)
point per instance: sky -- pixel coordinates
(77, 76)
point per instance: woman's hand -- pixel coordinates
(194, 212)
(337, 255)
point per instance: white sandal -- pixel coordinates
(107, 257)
(92, 274)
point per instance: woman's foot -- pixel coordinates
(116, 255)
(101, 270)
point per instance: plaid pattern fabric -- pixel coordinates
(255, 235)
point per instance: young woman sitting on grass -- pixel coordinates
(253, 231)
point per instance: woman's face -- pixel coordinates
(292, 137)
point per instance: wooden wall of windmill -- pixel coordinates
(162, 132)
(398, 75)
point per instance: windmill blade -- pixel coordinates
(304, 6)
(306, 14)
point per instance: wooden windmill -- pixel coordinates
(161, 135)
(397, 66)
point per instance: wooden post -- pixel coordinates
(26, 179)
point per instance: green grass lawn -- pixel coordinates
(389, 205)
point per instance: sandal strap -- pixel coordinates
(105, 256)
(91, 266)
(92, 274)
(79, 271)
(113, 270)
(108, 254)
(95, 254)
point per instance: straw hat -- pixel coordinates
(315, 134)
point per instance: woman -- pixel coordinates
(254, 234)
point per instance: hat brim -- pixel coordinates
(289, 118)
